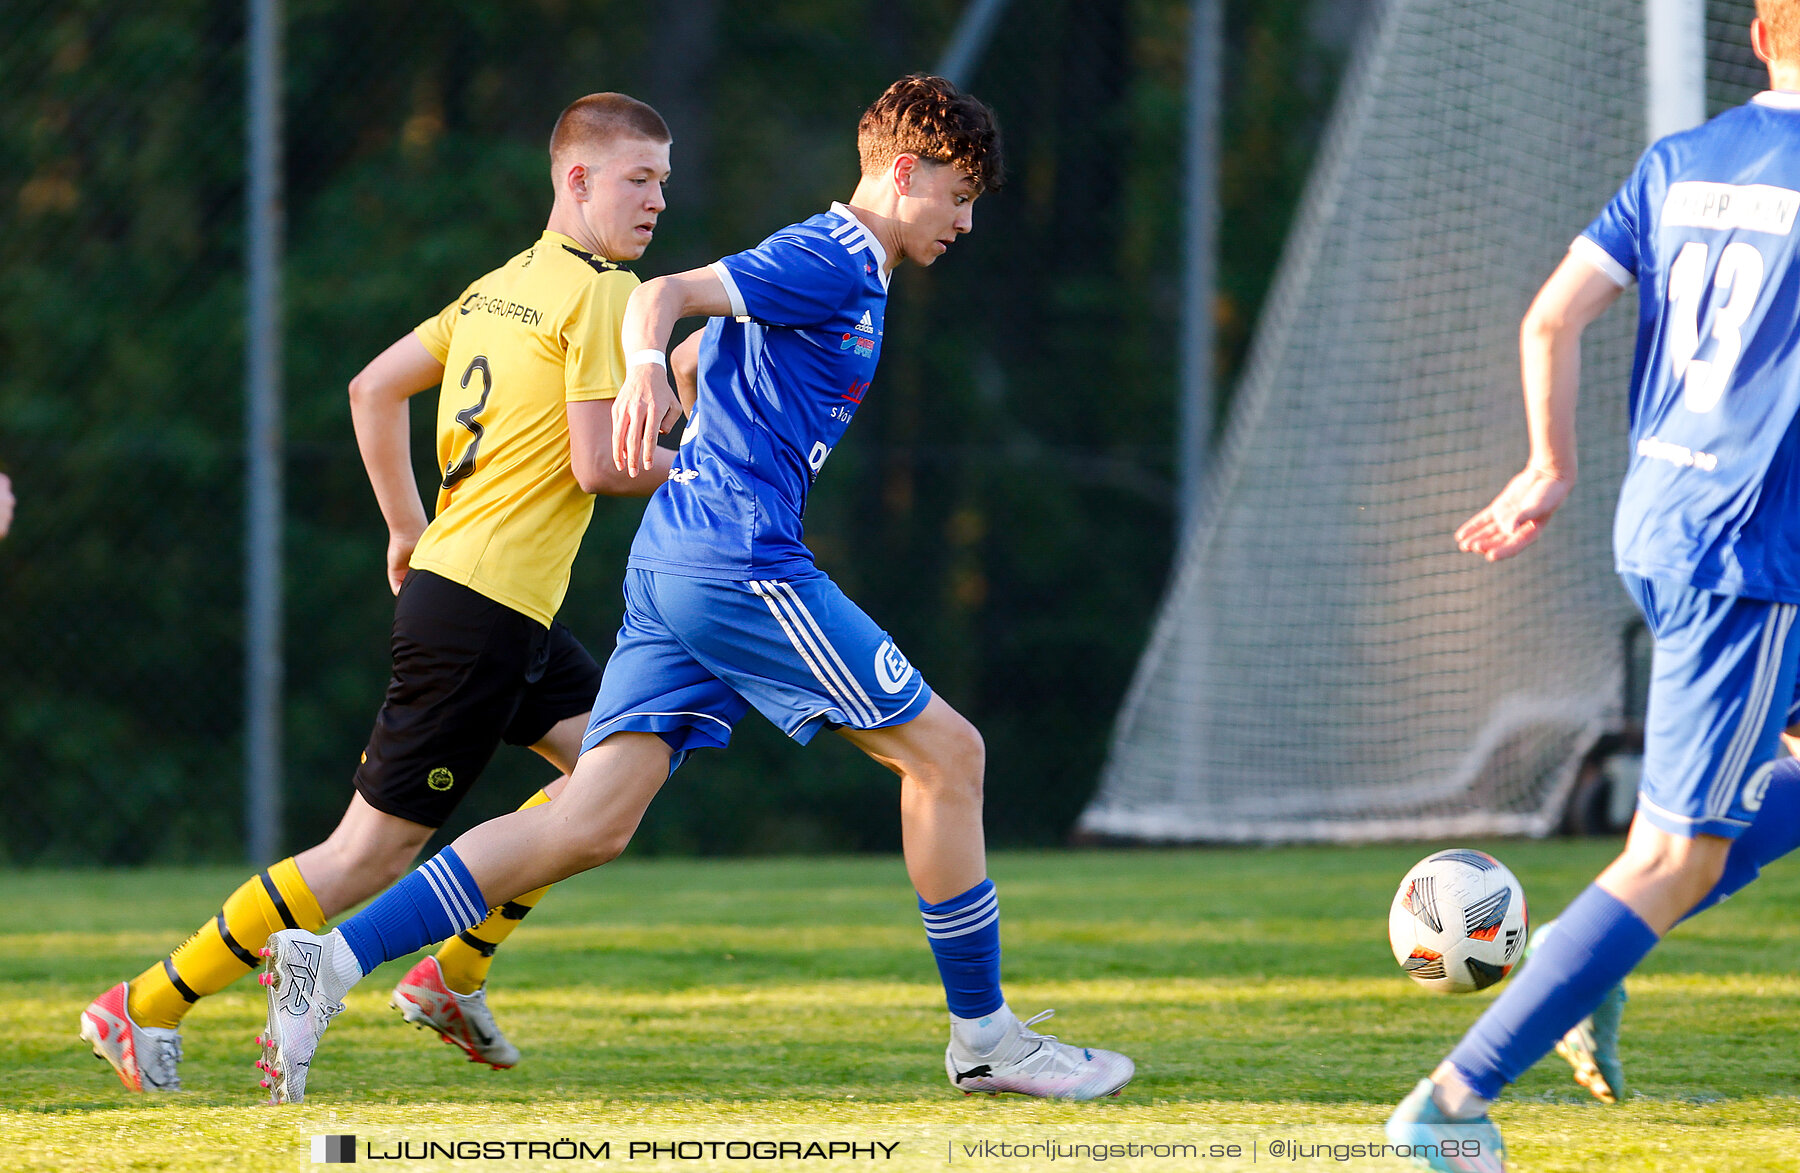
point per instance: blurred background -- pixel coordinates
(1006, 504)
(1155, 482)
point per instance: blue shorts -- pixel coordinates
(695, 653)
(1722, 688)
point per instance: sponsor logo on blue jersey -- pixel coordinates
(780, 381)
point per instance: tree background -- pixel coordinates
(1004, 504)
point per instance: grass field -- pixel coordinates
(794, 1000)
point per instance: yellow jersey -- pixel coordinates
(519, 345)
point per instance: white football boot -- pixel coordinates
(424, 1000)
(307, 979)
(1032, 1064)
(147, 1058)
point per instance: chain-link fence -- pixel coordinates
(1003, 505)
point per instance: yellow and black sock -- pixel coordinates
(224, 948)
(465, 958)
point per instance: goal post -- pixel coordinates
(1675, 66)
(1326, 665)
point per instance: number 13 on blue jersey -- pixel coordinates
(1739, 279)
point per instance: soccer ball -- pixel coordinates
(1458, 922)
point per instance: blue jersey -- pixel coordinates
(1706, 225)
(778, 384)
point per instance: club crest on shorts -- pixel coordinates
(1757, 789)
(440, 779)
(892, 669)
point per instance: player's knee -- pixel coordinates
(348, 873)
(358, 866)
(604, 846)
(971, 754)
(1697, 880)
(958, 760)
(1708, 868)
(389, 868)
(375, 867)
(1689, 865)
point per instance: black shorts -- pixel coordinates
(469, 673)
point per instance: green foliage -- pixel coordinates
(1279, 95)
(796, 998)
(119, 323)
(1003, 506)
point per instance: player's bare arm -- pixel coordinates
(378, 409)
(646, 405)
(590, 433)
(684, 368)
(6, 504)
(1550, 368)
(591, 459)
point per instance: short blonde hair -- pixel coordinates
(1782, 19)
(599, 119)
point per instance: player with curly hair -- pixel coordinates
(725, 610)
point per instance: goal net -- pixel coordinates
(1326, 665)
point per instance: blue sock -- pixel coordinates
(1775, 832)
(1598, 940)
(965, 938)
(434, 903)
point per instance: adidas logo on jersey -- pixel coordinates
(682, 476)
(866, 326)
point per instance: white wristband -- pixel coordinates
(640, 357)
